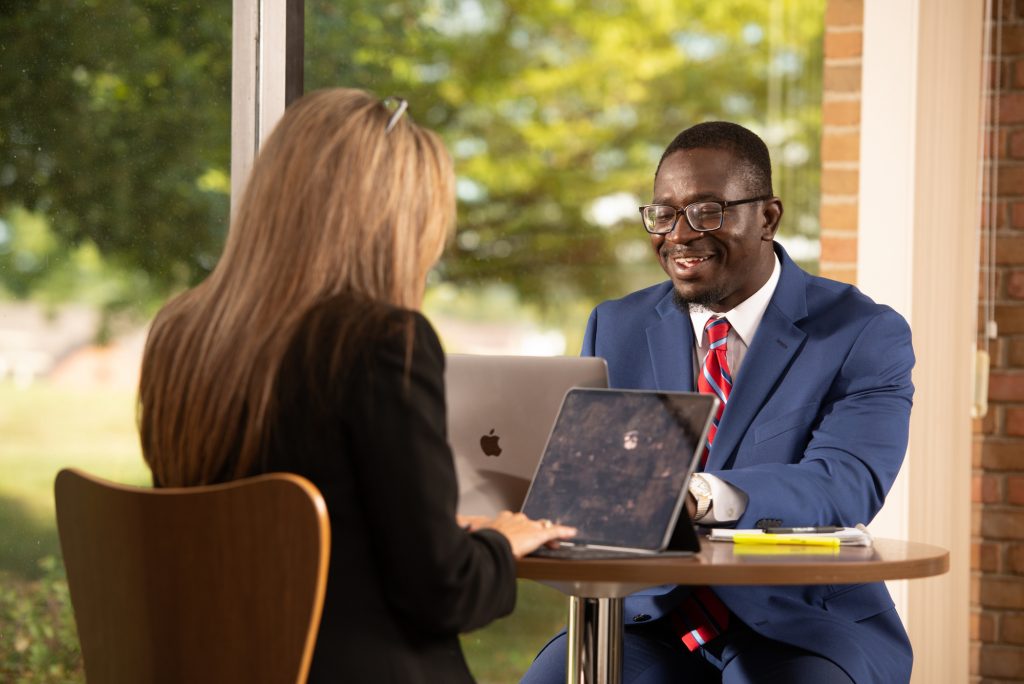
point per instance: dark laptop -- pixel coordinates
(616, 467)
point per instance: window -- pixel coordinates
(114, 149)
(114, 163)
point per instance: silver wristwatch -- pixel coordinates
(701, 491)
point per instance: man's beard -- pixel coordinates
(705, 300)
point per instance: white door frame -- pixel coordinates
(918, 252)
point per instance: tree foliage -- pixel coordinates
(114, 124)
(114, 120)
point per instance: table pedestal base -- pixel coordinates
(594, 641)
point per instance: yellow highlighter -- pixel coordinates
(778, 539)
(776, 550)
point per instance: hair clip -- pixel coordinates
(400, 105)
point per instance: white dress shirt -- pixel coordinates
(728, 502)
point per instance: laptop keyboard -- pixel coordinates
(583, 553)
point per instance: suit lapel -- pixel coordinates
(777, 341)
(670, 341)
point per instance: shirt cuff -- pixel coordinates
(727, 502)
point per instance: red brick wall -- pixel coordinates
(997, 589)
(840, 140)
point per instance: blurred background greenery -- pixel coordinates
(114, 181)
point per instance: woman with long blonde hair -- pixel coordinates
(304, 352)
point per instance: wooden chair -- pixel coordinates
(221, 583)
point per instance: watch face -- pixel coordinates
(699, 486)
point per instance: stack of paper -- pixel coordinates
(845, 536)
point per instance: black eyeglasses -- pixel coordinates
(703, 216)
(397, 107)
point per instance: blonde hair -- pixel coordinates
(334, 204)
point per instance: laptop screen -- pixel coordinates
(617, 464)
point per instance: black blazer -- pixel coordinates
(404, 578)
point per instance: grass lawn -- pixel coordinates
(44, 429)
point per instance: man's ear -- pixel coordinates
(771, 214)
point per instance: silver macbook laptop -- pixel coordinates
(616, 467)
(500, 413)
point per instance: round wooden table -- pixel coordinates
(596, 588)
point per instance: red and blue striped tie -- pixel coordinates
(714, 376)
(702, 616)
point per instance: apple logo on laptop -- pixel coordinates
(489, 444)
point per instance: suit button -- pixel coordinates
(642, 617)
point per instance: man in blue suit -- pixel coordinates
(817, 389)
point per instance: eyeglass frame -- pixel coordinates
(401, 104)
(682, 212)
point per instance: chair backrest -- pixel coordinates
(220, 583)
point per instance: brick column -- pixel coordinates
(840, 143)
(997, 564)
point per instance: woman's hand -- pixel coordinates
(524, 535)
(472, 523)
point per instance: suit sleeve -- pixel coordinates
(439, 578)
(590, 336)
(856, 448)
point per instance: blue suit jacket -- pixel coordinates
(814, 432)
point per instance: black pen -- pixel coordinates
(803, 530)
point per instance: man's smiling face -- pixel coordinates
(721, 268)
